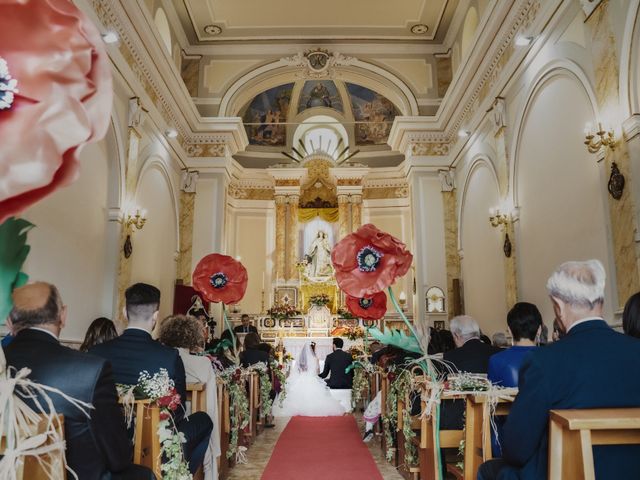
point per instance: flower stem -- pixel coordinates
(228, 325)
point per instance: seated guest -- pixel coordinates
(470, 355)
(186, 334)
(101, 330)
(446, 341)
(631, 316)
(525, 323)
(246, 326)
(252, 353)
(135, 351)
(222, 351)
(500, 340)
(97, 447)
(587, 369)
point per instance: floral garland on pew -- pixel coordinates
(234, 379)
(362, 370)
(266, 404)
(280, 373)
(160, 389)
(401, 386)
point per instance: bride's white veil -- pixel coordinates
(306, 360)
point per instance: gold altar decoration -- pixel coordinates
(329, 288)
(327, 214)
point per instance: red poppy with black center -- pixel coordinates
(368, 308)
(368, 261)
(220, 278)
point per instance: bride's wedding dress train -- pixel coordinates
(307, 394)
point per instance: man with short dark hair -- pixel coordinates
(135, 351)
(97, 446)
(246, 326)
(336, 363)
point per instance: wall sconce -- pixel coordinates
(604, 138)
(402, 300)
(129, 222)
(498, 219)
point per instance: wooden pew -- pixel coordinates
(31, 468)
(573, 433)
(146, 444)
(225, 430)
(384, 387)
(477, 443)
(407, 471)
(197, 395)
(375, 382)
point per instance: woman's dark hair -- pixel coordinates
(101, 330)
(181, 331)
(631, 316)
(266, 347)
(446, 340)
(524, 320)
(251, 341)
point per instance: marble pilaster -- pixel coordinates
(292, 237)
(356, 212)
(187, 205)
(344, 222)
(281, 223)
(449, 204)
(622, 212)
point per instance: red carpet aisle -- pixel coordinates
(324, 448)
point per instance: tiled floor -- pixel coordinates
(259, 453)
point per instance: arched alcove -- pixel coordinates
(162, 24)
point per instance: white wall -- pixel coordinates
(483, 259)
(155, 246)
(69, 243)
(559, 191)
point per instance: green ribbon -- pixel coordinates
(13, 253)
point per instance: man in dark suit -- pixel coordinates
(246, 326)
(588, 368)
(97, 447)
(135, 351)
(470, 355)
(336, 363)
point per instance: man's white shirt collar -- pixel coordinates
(588, 319)
(45, 331)
(138, 328)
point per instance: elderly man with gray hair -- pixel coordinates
(470, 355)
(588, 368)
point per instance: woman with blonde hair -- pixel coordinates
(185, 334)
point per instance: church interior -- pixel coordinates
(494, 139)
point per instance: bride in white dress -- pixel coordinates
(307, 394)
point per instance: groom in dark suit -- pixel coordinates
(591, 367)
(337, 363)
(135, 350)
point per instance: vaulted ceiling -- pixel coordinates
(287, 20)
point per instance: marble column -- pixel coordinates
(187, 205)
(292, 237)
(356, 212)
(125, 264)
(622, 212)
(344, 222)
(449, 205)
(281, 222)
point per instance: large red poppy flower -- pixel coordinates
(368, 261)
(62, 99)
(368, 308)
(220, 278)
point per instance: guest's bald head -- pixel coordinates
(36, 304)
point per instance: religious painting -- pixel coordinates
(438, 325)
(375, 111)
(265, 115)
(320, 93)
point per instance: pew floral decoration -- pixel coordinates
(368, 308)
(234, 379)
(280, 374)
(266, 386)
(368, 261)
(55, 96)
(160, 389)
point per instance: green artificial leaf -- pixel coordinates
(397, 338)
(13, 253)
